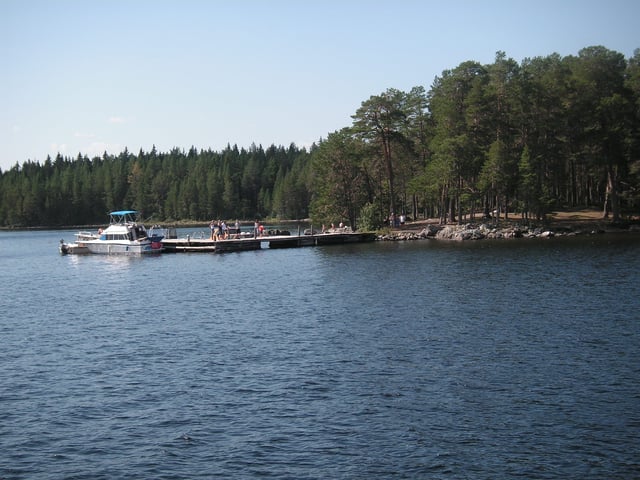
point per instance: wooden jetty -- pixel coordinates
(319, 239)
(203, 245)
(178, 245)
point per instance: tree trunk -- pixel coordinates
(612, 195)
(506, 207)
(452, 210)
(442, 214)
(386, 144)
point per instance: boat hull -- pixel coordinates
(105, 247)
(73, 249)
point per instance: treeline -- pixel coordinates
(551, 132)
(178, 185)
(546, 133)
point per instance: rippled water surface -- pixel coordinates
(386, 360)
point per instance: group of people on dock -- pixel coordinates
(220, 230)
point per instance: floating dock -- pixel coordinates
(178, 245)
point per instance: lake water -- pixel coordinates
(508, 359)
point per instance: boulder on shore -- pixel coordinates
(466, 232)
(472, 231)
(459, 233)
(429, 231)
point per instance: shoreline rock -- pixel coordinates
(484, 231)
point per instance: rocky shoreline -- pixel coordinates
(484, 231)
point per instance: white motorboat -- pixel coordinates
(123, 236)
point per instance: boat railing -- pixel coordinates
(87, 236)
(165, 232)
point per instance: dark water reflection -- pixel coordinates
(387, 360)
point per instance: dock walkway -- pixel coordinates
(178, 245)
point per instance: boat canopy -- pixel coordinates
(124, 212)
(123, 216)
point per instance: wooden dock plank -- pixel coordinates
(175, 245)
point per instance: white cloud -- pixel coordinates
(83, 135)
(117, 120)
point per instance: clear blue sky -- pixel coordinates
(89, 76)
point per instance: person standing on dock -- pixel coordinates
(219, 230)
(256, 226)
(212, 226)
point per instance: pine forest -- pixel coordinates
(544, 134)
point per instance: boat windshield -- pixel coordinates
(139, 231)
